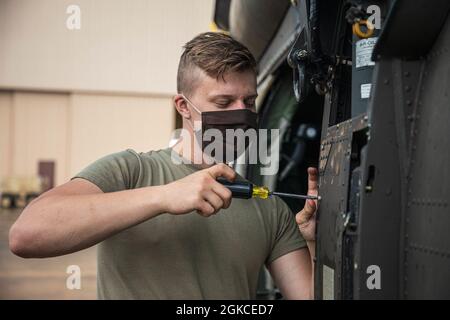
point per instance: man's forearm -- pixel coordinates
(312, 253)
(312, 249)
(61, 224)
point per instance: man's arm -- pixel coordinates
(294, 272)
(77, 215)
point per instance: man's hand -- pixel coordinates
(199, 191)
(306, 218)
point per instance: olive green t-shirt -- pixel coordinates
(186, 256)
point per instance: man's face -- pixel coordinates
(236, 91)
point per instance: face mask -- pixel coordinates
(226, 122)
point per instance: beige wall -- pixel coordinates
(73, 96)
(122, 46)
(5, 133)
(104, 124)
(38, 132)
(75, 129)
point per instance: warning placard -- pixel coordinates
(364, 50)
(365, 90)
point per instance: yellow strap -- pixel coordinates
(214, 28)
(356, 28)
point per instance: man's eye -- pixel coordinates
(250, 104)
(222, 104)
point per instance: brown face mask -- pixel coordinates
(228, 123)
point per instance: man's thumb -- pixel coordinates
(308, 210)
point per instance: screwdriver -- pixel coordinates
(247, 190)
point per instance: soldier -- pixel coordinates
(140, 208)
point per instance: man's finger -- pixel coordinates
(223, 192)
(222, 170)
(214, 200)
(310, 208)
(313, 181)
(307, 212)
(205, 209)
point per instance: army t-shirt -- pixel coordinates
(186, 256)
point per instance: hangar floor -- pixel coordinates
(42, 278)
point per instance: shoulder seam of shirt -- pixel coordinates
(133, 152)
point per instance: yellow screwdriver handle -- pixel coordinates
(260, 192)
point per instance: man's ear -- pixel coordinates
(181, 105)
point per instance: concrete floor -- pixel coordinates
(42, 278)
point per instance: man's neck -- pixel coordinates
(187, 151)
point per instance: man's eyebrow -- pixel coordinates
(252, 96)
(230, 96)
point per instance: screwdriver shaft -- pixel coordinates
(247, 190)
(297, 196)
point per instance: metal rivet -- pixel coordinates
(302, 54)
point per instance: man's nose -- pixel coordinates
(239, 104)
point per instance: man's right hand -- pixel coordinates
(199, 191)
(91, 216)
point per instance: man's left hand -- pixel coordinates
(306, 218)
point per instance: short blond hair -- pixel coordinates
(215, 54)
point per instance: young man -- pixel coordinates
(168, 230)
